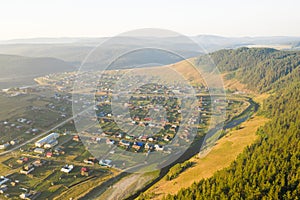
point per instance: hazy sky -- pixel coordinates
(96, 18)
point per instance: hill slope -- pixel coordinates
(19, 70)
(259, 68)
(268, 169)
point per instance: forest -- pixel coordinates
(261, 69)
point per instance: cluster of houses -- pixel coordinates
(3, 186)
(84, 171)
(136, 145)
(141, 142)
(104, 81)
(30, 195)
(26, 194)
(30, 167)
(21, 123)
(8, 144)
(45, 143)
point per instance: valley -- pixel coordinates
(166, 153)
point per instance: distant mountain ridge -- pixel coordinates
(76, 49)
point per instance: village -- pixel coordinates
(62, 159)
(57, 160)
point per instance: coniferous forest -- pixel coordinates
(269, 168)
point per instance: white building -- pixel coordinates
(39, 150)
(51, 144)
(3, 180)
(67, 168)
(4, 146)
(26, 172)
(159, 147)
(106, 163)
(47, 139)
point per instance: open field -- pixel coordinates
(260, 98)
(16, 106)
(224, 152)
(235, 85)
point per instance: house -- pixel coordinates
(141, 144)
(76, 138)
(106, 163)
(143, 138)
(13, 142)
(4, 146)
(51, 144)
(149, 146)
(151, 125)
(46, 139)
(13, 183)
(85, 171)
(3, 188)
(137, 145)
(22, 160)
(49, 154)
(67, 168)
(58, 151)
(39, 150)
(27, 169)
(124, 143)
(30, 195)
(3, 180)
(90, 161)
(22, 120)
(38, 163)
(147, 119)
(167, 138)
(24, 195)
(110, 142)
(159, 147)
(34, 130)
(129, 137)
